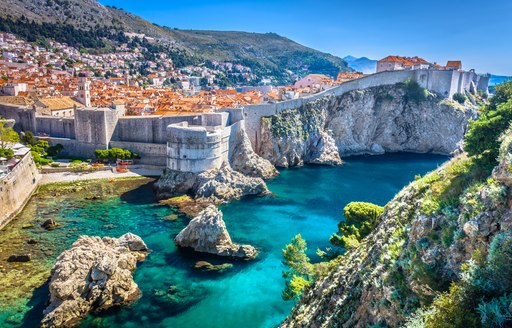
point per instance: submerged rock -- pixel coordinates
(208, 267)
(19, 258)
(93, 275)
(50, 224)
(207, 233)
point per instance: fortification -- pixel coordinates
(156, 143)
(198, 148)
(17, 187)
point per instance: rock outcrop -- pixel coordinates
(214, 186)
(243, 159)
(369, 121)
(93, 275)
(207, 233)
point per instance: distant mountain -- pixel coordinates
(497, 79)
(363, 64)
(88, 24)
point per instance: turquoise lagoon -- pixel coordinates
(307, 200)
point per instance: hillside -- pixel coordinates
(268, 54)
(363, 64)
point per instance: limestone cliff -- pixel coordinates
(370, 121)
(427, 234)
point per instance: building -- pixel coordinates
(398, 63)
(314, 81)
(56, 106)
(84, 91)
(454, 65)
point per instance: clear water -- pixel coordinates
(307, 200)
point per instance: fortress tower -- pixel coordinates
(84, 91)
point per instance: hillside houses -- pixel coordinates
(397, 63)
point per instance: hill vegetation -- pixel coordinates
(88, 25)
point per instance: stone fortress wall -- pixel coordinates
(198, 142)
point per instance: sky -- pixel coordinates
(477, 32)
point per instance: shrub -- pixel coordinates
(459, 97)
(55, 164)
(414, 92)
(6, 153)
(483, 134)
(360, 220)
(300, 269)
(496, 312)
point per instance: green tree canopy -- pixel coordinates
(7, 134)
(300, 269)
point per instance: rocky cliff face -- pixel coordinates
(426, 235)
(93, 275)
(370, 121)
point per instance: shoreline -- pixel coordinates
(58, 177)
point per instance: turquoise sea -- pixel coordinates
(307, 200)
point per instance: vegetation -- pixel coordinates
(299, 275)
(360, 220)
(113, 154)
(459, 97)
(413, 91)
(6, 153)
(482, 139)
(7, 134)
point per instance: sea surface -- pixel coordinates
(307, 200)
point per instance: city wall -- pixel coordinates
(148, 136)
(17, 187)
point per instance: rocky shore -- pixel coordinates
(95, 274)
(207, 233)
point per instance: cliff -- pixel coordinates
(390, 118)
(440, 255)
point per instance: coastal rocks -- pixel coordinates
(369, 121)
(207, 233)
(214, 186)
(246, 161)
(93, 275)
(325, 152)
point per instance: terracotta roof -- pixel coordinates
(16, 100)
(406, 61)
(59, 103)
(454, 63)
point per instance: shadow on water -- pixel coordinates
(141, 195)
(37, 303)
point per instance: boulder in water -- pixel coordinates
(93, 275)
(207, 233)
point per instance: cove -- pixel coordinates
(307, 200)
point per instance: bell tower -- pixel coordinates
(84, 91)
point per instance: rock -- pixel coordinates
(32, 241)
(27, 226)
(223, 185)
(244, 160)
(211, 187)
(19, 258)
(207, 266)
(207, 233)
(95, 274)
(50, 224)
(172, 217)
(324, 152)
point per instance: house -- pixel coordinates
(57, 106)
(454, 65)
(13, 89)
(315, 81)
(398, 63)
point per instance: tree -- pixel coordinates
(360, 220)
(6, 153)
(7, 134)
(300, 270)
(29, 138)
(459, 97)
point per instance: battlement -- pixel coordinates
(198, 148)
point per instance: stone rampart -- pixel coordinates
(17, 187)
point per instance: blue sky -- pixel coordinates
(477, 32)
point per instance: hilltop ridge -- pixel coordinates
(268, 53)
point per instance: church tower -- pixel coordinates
(84, 91)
